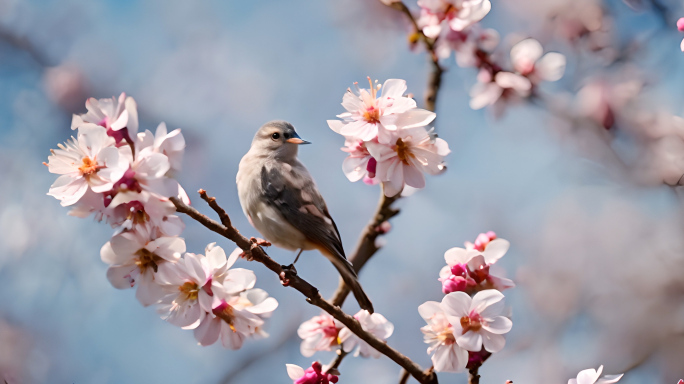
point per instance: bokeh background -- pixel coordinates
(597, 246)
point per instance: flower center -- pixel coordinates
(403, 151)
(147, 259)
(447, 336)
(372, 112)
(190, 290)
(225, 312)
(88, 166)
(471, 323)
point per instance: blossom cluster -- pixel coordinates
(680, 27)
(125, 177)
(387, 138)
(453, 26)
(463, 331)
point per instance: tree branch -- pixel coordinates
(366, 246)
(435, 79)
(289, 277)
(403, 376)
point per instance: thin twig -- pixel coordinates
(403, 376)
(473, 376)
(290, 278)
(335, 364)
(435, 80)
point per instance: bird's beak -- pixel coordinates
(295, 139)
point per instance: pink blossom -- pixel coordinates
(370, 116)
(456, 14)
(320, 333)
(411, 153)
(439, 334)
(468, 45)
(477, 321)
(680, 27)
(375, 324)
(498, 90)
(135, 256)
(90, 162)
(118, 116)
(236, 317)
(196, 284)
(312, 375)
(592, 376)
(473, 266)
(528, 61)
(359, 163)
(481, 241)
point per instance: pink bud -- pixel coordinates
(454, 284)
(459, 270)
(680, 24)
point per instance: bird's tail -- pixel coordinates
(350, 278)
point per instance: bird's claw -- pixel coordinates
(260, 242)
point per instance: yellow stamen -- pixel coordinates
(190, 290)
(469, 324)
(88, 166)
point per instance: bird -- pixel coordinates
(281, 200)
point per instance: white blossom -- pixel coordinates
(375, 324)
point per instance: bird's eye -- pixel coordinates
(275, 136)
(287, 135)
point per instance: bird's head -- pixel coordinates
(277, 138)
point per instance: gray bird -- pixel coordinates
(281, 200)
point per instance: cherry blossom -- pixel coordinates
(592, 376)
(370, 116)
(359, 163)
(499, 89)
(320, 333)
(236, 317)
(376, 324)
(134, 256)
(528, 61)
(312, 375)
(456, 14)
(439, 334)
(196, 284)
(90, 162)
(477, 321)
(118, 116)
(411, 153)
(469, 268)
(170, 144)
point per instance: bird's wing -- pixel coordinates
(293, 193)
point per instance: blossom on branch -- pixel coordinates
(134, 257)
(89, 162)
(371, 117)
(118, 116)
(376, 324)
(468, 270)
(320, 333)
(312, 375)
(592, 376)
(411, 153)
(477, 321)
(439, 334)
(453, 14)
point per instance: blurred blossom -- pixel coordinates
(680, 27)
(375, 324)
(592, 376)
(66, 86)
(603, 99)
(528, 61)
(468, 45)
(453, 14)
(312, 375)
(580, 19)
